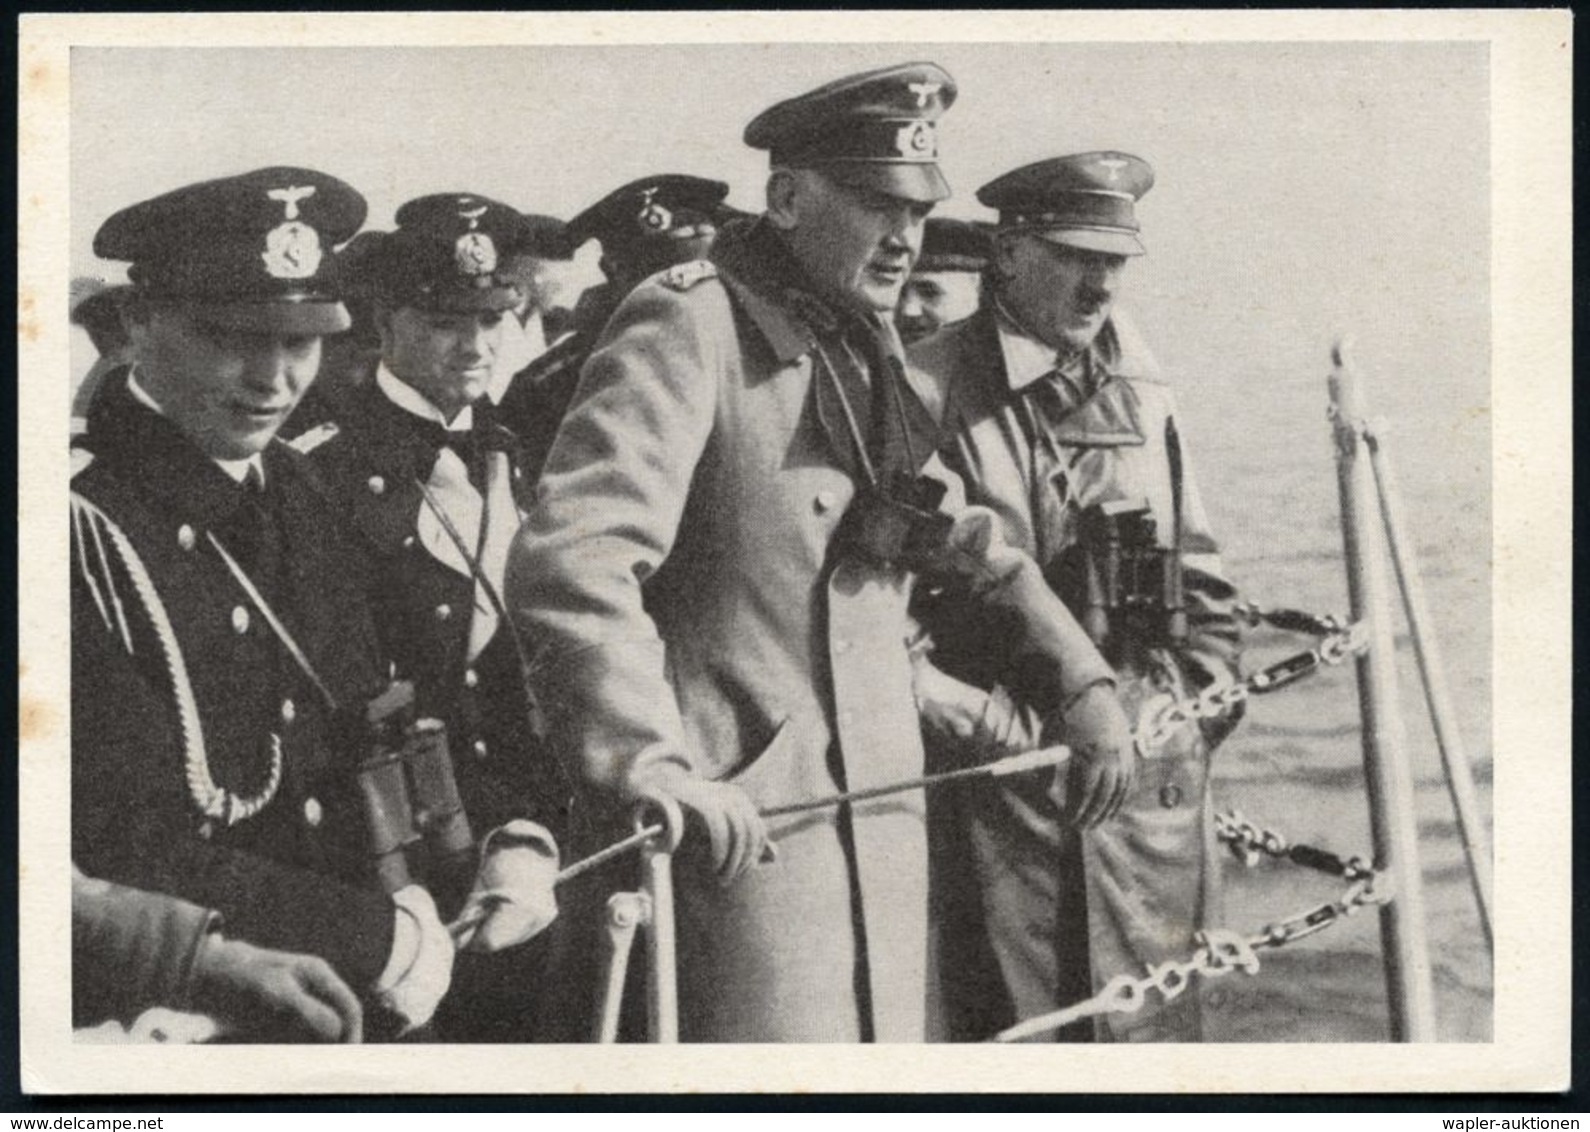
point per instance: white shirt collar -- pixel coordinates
(1026, 358)
(236, 469)
(411, 400)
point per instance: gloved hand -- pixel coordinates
(1103, 765)
(512, 900)
(735, 831)
(420, 968)
(258, 989)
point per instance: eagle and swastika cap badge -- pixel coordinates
(876, 130)
(249, 252)
(1082, 200)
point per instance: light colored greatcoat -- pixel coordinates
(691, 499)
(689, 611)
(1150, 873)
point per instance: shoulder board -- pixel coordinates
(307, 442)
(81, 459)
(683, 276)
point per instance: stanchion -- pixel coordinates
(1391, 802)
(1432, 671)
(626, 912)
(662, 992)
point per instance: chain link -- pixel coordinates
(1343, 642)
(1221, 951)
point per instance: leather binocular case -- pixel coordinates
(412, 806)
(1125, 588)
(897, 523)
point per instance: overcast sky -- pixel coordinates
(1303, 189)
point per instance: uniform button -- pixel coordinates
(841, 647)
(443, 612)
(408, 542)
(377, 485)
(206, 830)
(479, 748)
(289, 711)
(825, 501)
(185, 537)
(239, 619)
(1170, 796)
(313, 813)
(471, 678)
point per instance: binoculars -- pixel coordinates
(1124, 585)
(412, 806)
(897, 523)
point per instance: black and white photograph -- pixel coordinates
(934, 530)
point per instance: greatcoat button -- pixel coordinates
(313, 813)
(408, 542)
(479, 748)
(185, 537)
(825, 501)
(239, 619)
(1170, 796)
(471, 678)
(206, 830)
(377, 485)
(289, 711)
(443, 612)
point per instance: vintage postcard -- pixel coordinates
(614, 352)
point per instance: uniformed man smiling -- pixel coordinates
(218, 622)
(427, 480)
(223, 647)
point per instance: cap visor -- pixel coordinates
(1094, 240)
(909, 180)
(312, 317)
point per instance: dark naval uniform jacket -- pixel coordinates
(183, 695)
(1039, 450)
(373, 456)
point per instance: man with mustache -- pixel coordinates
(1059, 420)
(716, 573)
(430, 485)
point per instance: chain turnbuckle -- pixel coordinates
(1218, 701)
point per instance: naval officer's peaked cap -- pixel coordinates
(877, 130)
(249, 253)
(449, 253)
(661, 208)
(1083, 200)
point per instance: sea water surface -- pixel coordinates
(1262, 444)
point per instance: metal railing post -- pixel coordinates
(626, 912)
(1391, 800)
(1432, 671)
(662, 991)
